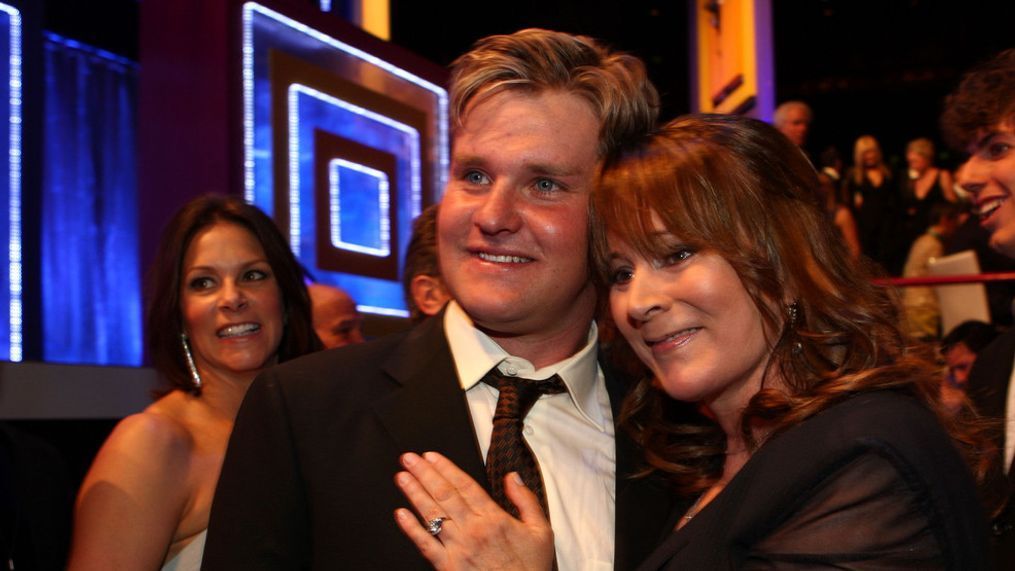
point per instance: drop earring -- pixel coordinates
(195, 377)
(793, 310)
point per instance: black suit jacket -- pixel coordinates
(902, 477)
(308, 475)
(988, 389)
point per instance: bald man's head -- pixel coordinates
(336, 319)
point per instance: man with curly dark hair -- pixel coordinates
(979, 117)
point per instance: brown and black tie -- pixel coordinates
(508, 451)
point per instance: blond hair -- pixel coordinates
(923, 147)
(533, 60)
(863, 144)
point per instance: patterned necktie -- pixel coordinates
(508, 451)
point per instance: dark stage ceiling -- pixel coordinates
(866, 66)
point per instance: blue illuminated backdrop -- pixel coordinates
(91, 284)
(342, 148)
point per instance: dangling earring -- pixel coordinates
(793, 309)
(194, 375)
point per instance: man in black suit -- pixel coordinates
(308, 477)
(980, 117)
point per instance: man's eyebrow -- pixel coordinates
(550, 170)
(537, 168)
(466, 160)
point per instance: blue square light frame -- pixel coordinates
(355, 175)
(311, 109)
(265, 34)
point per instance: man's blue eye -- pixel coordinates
(475, 177)
(546, 185)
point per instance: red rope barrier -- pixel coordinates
(946, 280)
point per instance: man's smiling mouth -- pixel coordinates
(988, 207)
(502, 259)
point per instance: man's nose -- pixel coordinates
(498, 211)
(972, 175)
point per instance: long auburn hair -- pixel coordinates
(164, 323)
(738, 188)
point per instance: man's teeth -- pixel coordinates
(503, 259)
(987, 208)
(239, 329)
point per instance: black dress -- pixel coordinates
(872, 482)
(877, 220)
(916, 211)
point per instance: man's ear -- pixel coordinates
(429, 293)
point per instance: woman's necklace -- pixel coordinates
(694, 509)
(703, 500)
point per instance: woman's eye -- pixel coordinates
(201, 283)
(678, 256)
(620, 276)
(255, 275)
(475, 177)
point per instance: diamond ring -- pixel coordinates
(435, 525)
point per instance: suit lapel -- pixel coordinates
(628, 454)
(429, 411)
(643, 504)
(988, 381)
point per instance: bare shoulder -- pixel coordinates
(145, 452)
(132, 500)
(155, 434)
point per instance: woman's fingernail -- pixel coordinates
(410, 459)
(431, 457)
(517, 479)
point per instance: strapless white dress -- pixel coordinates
(189, 558)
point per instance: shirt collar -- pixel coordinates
(475, 353)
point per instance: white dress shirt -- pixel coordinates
(571, 435)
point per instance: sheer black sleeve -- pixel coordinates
(863, 516)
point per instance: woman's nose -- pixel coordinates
(644, 297)
(233, 297)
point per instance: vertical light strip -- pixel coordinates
(249, 9)
(326, 5)
(248, 105)
(294, 169)
(14, 175)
